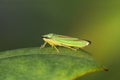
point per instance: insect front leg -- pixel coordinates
(42, 46)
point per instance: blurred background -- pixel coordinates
(22, 22)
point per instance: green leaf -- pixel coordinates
(46, 64)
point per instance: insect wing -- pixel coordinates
(64, 37)
(69, 41)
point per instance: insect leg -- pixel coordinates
(42, 46)
(56, 48)
(70, 48)
(53, 46)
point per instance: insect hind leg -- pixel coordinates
(70, 48)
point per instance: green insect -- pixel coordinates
(65, 41)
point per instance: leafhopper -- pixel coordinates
(65, 41)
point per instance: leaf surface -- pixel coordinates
(46, 64)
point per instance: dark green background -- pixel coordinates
(22, 22)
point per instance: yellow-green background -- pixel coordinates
(22, 22)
